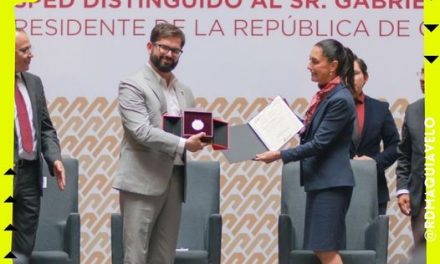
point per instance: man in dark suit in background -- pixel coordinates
(411, 173)
(34, 138)
(374, 124)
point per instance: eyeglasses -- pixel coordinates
(26, 50)
(165, 49)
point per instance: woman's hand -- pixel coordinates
(268, 156)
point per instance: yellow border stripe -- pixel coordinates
(432, 120)
(7, 64)
(7, 51)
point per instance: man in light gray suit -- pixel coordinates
(150, 176)
(411, 173)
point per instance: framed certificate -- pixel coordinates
(276, 124)
(270, 129)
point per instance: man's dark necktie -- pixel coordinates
(23, 121)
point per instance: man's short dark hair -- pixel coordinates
(166, 30)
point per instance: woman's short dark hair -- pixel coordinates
(362, 65)
(334, 50)
(166, 30)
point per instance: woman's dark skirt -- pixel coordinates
(325, 219)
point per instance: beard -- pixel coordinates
(162, 63)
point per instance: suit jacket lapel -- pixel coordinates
(180, 93)
(152, 79)
(320, 108)
(367, 111)
(34, 100)
(355, 138)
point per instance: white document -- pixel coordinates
(276, 124)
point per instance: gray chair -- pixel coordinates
(200, 229)
(367, 232)
(58, 234)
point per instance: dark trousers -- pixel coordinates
(418, 231)
(383, 208)
(26, 209)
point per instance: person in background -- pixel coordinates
(410, 172)
(374, 124)
(326, 172)
(35, 140)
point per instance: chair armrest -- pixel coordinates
(72, 236)
(285, 238)
(214, 238)
(376, 238)
(116, 238)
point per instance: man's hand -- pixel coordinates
(194, 143)
(58, 170)
(268, 156)
(404, 203)
(363, 157)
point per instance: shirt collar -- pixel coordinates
(331, 84)
(161, 79)
(18, 76)
(360, 99)
(19, 79)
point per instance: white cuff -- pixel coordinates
(401, 191)
(181, 147)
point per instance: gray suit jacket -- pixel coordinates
(411, 160)
(48, 145)
(148, 152)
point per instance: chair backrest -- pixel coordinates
(293, 200)
(202, 200)
(116, 239)
(363, 207)
(56, 206)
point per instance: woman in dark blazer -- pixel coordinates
(375, 124)
(326, 173)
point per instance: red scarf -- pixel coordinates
(318, 97)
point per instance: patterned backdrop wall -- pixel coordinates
(90, 130)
